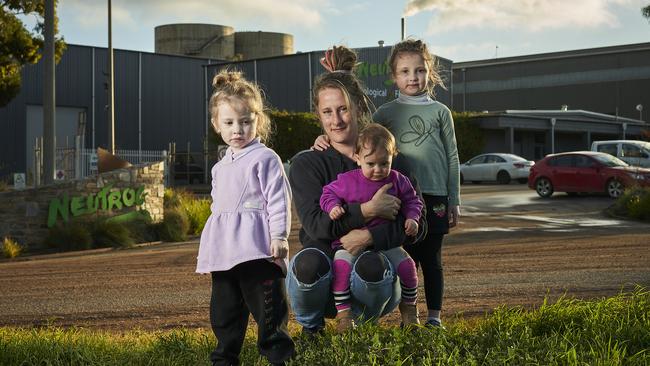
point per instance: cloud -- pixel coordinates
(276, 13)
(529, 15)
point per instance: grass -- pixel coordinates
(611, 331)
(11, 248)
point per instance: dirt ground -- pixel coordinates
(155, 287)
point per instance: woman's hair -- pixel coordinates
(229, 85)
(375, 136)
(420, 48)
(340, 63)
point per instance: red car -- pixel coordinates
(585, 171)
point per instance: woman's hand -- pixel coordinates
(322, 143)
(356, 241)
(279, 248)
(454, 215)
(381, 205)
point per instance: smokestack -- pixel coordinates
(403, 29)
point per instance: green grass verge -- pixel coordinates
(612, 331)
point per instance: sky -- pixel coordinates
(460, 30)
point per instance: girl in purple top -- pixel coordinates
(244, 242)
(375, 151)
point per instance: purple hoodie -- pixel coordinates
(251, 203)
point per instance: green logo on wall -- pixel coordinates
(104, 200)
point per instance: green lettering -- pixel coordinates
(77, 206)
(56, 207)
(114, 200)
(128, 197)
(139, 196)
(101, 196)
(373, 70)
(91, 204)
(362, 70)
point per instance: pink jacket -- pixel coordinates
(251, 204)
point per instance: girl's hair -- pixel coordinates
(375, 136)
(418, 47)
(229, 85)
(340, 63)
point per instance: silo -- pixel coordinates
(262, 44)
(200, 40)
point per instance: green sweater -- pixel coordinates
(425, 136)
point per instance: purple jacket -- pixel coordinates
(251, 204)
(353, 187)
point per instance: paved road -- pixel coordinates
(511, 248)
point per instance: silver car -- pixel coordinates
(498, 167)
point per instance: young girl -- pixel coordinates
(244, 242)
(425, 135)
(375, 151)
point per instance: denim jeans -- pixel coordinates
(370, 300)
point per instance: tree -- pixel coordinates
(20, 46)
(646, 12)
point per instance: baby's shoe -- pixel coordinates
(344, 321)
(409, 313)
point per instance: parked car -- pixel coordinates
(495, 167)
(633, 152)
(583, 172)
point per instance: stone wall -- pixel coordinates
(24, 213)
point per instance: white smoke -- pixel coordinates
(532, 15)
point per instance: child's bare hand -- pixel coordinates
(279, 248)
(454, 215)
(411, 227)
(336, 212)
(322, 143)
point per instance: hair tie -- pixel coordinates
(343, 71)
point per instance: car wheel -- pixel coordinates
(544, 187)
(614, 188)
(503, 177)
(522, 180)
(462, 179)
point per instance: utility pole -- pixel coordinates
(49, 100)
(111, 89)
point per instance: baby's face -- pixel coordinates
(375, 166)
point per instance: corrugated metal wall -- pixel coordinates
(172, 105)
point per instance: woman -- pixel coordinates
(341, 107)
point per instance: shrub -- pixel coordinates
(174, 226)
(107, 233)
(11, 248)
(73, 235)
(634, 203)
(140, 227)
(469, 137)
(197, 211)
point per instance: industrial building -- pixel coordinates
(162, 98)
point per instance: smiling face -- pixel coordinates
(235, 123)
(410, 73)
(337, 117)
(376, 165)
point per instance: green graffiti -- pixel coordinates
(104, 200)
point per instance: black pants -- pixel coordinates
(427, 253)
(255, 287)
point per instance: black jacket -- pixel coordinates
(310, 171)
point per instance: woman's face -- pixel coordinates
(338, 119)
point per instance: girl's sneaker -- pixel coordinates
(434, 323)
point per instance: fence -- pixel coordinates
(78, 162)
